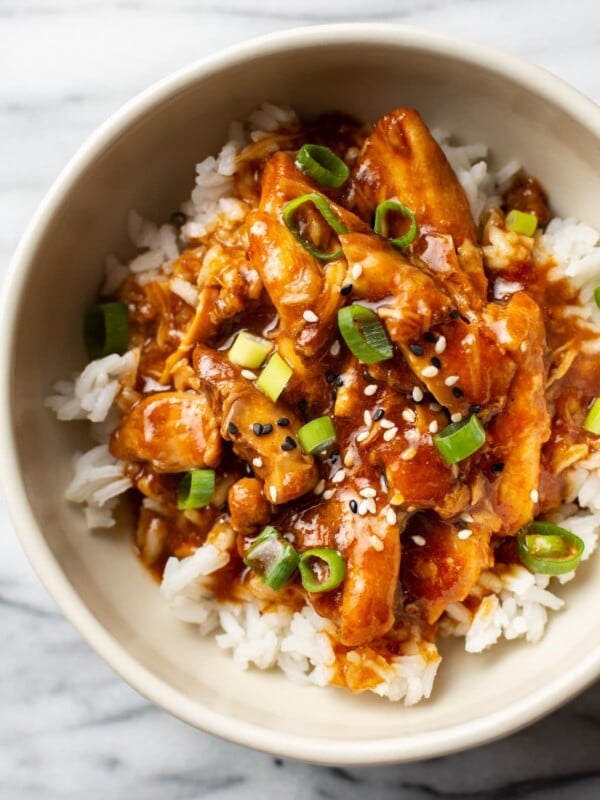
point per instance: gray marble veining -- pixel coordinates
(69, 727)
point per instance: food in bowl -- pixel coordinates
(350, 389)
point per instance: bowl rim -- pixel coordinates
(323, 751)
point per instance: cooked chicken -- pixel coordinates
(248, 506)
(249, 421)
(172, 431)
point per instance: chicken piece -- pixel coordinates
(364, 605)
(474, 369)
(248, 506)
(286, 474)
(517, 434)
(295, 280)
(440, 567)
(402, 159)
(172, 431)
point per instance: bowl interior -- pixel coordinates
(146, 160)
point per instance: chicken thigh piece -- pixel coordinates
(249, 421)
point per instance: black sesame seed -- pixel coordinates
(429, 337)
(232, 428)
(368, 377)
(457, 392)
(454, 314)
(283, 422)
(378, 414)
(267, 429)
(436, 362)
(257, 428)
(334, 456)
(345, 290)
(289, 444)
(353, 506)
(339, 381)
(415, 348)
(497, 468)
(475, 409)
(330, 377)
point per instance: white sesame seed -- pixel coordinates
(335, 348)
(368, 491)
(319, 487)
(348, 458)
(362, 508)
(451, 380)
(465, 533)
(371, 505)
(433, 426)
(387, 424)
(257, 462)
(430, 371)
(435, 407)
(535, 495)
(368, 419)
(454, 471)
(408, 415)
(469, 339)
(456, 417)
(327, 494)
(248, 374)
(523, 347)
(273, 493)
(408, 454)
(417, 394)
(357, 271)
(391, 517)
(390, 434)
(376, 543)
(339, 476)
(370, 389)
(362, 436)
(418, 540)
(440, 345)
(310, 316)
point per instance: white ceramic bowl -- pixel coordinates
(144, 158)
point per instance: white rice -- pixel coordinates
(513, 602)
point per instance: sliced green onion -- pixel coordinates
(274, 377)
(546, 549)
(459, 440)
(521, 222)
(317, 435)
(324, 209)
(597, 295)
(271, 557)
(106, 330)
(592, 420)
(322, 165)
(364, 334)
(381, 227)
(321, 569)
(249, 351)
(196, 489)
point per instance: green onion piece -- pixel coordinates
(324, 209)
(380, 226)
(364, 334)
(459, 440)
(546, 549)
(249, 351)
(597, 295)
(274, 377)
(317, 435)
(196, 489)
(322, 165)
(271, 557)
(592, 420)
(521, 222)
(106, 330)
(321, 569)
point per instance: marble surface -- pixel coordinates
(69, 727)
